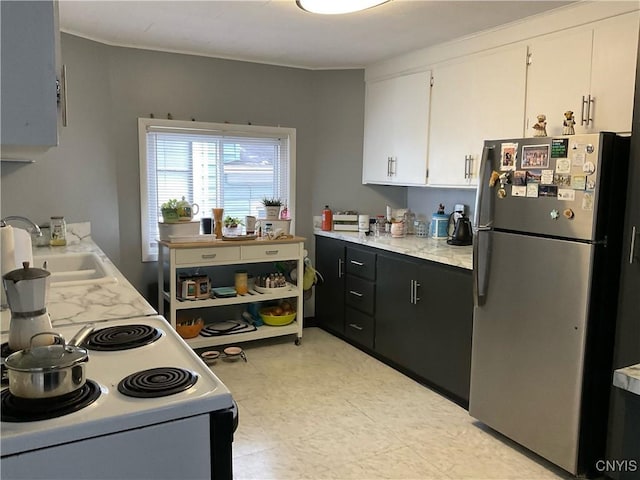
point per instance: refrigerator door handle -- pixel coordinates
(483, 179)
(481, 252)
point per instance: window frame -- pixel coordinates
(184, 127)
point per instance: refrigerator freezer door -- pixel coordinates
(542, 185)
(529, 343)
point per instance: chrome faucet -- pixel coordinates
(34, 227)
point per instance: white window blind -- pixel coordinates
(212, 165)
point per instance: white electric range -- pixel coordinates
(123, 431)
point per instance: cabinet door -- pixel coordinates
(450, 122)
(378, 125)
(329, 295)
(396, 127)
(479, 98)
(559, 75)
(445, 304)
(615, 46)
(396, 316)
(29, 104)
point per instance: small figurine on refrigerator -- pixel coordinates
(568, 123)
(540, 127)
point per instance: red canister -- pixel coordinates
(327, 219)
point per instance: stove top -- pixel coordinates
(157, 382)
(113, 411)
(15, 409)
(122, 337)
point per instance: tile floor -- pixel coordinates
(325, 410)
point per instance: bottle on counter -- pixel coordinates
(409, 222)
(284, 213)
(327, 219)
(58, 228)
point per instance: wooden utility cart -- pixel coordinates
(174, 258)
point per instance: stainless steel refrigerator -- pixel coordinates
(548, 220)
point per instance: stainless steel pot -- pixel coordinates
(48, 371)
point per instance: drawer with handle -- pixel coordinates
(360, 294)
(204, 256)
(285, 251)
(361, 263)
(358, 327)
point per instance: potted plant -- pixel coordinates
(232, 222)
(169, 211)
(272, 207)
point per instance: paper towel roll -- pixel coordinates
(7, 257)
(8, 251)
(22, 245)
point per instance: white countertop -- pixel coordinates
(89, 303)
(628, 378)
(426, 248)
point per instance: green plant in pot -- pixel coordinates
(169, 211)
(272, 207)
(232, 222)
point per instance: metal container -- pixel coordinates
(48, 371)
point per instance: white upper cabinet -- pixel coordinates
(588, 70)
(474, 99)
(613, 73)
(30, 37)
(396, 130)
(559, 76)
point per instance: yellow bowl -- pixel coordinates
(276, 320)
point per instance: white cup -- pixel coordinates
(250, 223)
(363, 223)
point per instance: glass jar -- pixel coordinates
(422, 229)
(241, 282)
(58, 232)
(397, 229)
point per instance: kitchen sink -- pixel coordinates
(71, 269)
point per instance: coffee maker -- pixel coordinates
(27, 292)
(460, 232)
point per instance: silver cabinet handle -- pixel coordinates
(632, 250)
(589, 117)
(586, 107)
(357, 327)
(208, 255)
(416, 298)
(394, 161)
(357, 294)
(359, 264)
(388, 166)
(271, 252)
(63, 81)
(411, 292)
(340, 266)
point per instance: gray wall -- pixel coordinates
(93, 174)
(425, 201)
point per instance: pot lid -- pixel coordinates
(26, 273)
(50, 357)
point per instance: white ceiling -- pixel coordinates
(278, 32)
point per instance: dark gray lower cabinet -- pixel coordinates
(424, 316)
(359, 327)
(329, 295)
(413, 313)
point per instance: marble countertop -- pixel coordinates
(628, 378)
(420, 247)
(91, 302)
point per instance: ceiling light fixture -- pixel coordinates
(333, 7)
